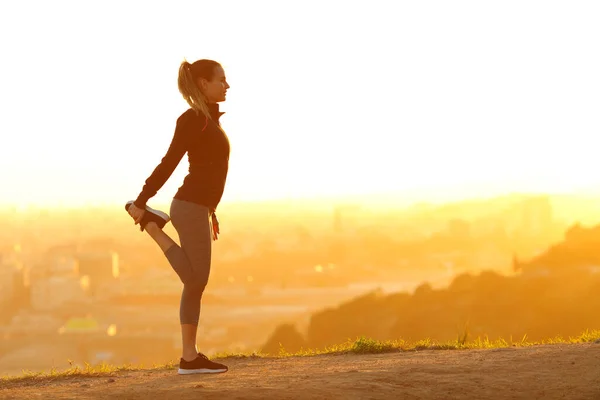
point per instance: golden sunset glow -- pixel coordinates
(389, 177)
(327, 99)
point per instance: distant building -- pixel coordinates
(32, 323)
(345, 218)
(7, 288)
(63, 265)
(98, 268)
(48, 294)
(11, 278)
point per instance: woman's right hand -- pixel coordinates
(136, 213)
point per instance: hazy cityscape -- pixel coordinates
(85, 285)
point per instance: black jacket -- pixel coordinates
(208, 153)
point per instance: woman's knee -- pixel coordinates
(196, 282)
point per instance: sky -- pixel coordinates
(430, 99)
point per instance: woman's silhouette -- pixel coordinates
(198, 132)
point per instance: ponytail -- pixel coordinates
(190, 90)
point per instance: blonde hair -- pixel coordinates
(188, 87)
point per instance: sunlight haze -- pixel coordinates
(405, 178)
(327, 98)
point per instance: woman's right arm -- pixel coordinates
(169, 162)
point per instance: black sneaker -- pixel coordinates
(151, 215)
(201, 365)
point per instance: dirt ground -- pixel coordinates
(539, 372)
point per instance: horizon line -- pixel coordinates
(396, 199)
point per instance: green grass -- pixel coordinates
(361, 345)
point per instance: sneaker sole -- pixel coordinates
(161, 214)
(200, 371)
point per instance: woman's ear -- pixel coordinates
(202, 84)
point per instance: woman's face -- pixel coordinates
(215, 90)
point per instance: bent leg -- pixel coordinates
(163, 240)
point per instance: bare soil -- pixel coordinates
(564, 371)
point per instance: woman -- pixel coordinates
(198, 132)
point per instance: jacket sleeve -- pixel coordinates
(164, 170)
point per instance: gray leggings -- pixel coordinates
(191, 261)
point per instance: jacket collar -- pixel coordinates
(213, 109)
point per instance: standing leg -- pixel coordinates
(192, 261)
(192, 293)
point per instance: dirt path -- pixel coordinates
(540, 372)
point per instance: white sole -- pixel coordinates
(200, 371)
(161, 214)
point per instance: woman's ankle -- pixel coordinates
(189, 355)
